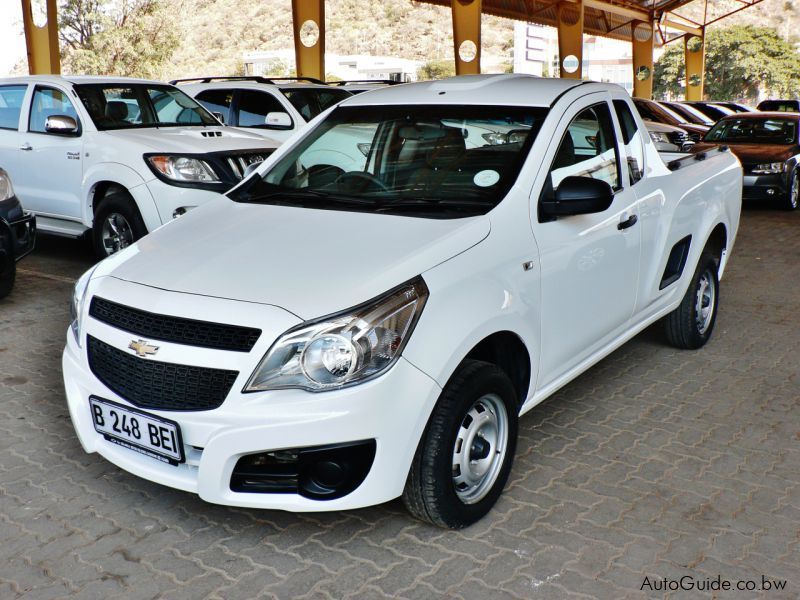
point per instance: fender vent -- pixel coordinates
(211, 133)
(676, 262)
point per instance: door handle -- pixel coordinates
(629, 222)
(26, 146)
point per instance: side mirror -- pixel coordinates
(219, 117)
(61, 124)
(579, 196)
(278, 120)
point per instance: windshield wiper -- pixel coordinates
(315, 196)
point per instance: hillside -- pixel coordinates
(218, 32)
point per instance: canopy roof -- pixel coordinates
(615, 18)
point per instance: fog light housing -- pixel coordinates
(316, 472)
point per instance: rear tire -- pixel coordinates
(466, 452)
(117, 224)
(690, 325)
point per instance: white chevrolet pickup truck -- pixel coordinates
(115, 157)
(325, 339)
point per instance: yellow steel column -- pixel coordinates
(642, 41)
(308, 19)
(695, 53)
(570, 39)
(42, 42)
(467, 36)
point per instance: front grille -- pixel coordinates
(239, 162)
(695, 137)
(174, 329)
(159, 385)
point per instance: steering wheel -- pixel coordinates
(360, 181)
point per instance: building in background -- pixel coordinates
(604, 59)
(281, 62)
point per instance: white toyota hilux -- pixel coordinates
(332, 337)
(116, 157)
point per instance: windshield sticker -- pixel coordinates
(486, 178)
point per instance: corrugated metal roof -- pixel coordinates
(596, 21)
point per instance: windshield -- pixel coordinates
(431, 161)
(651, 111)
(754, 131)
(125, 106)
(311, 101)
(690, 113)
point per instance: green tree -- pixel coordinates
(742, 61)
(134, 38)
(436, 69)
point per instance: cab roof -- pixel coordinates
(501, 90)
(101, 79)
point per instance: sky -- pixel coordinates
(12, 38)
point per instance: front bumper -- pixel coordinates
(392, 410)
(759, 187)
(23, 236)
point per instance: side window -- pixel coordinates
(254, 107)
(217, 101)
(48, 102)
(632, 137)
(588, 149)
(11, 97)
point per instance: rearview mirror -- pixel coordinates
(278, 120)
(219, 117)
(579, 196)
(61, 124)
(250, 168)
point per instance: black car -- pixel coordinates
(17, 234)
(779, 106)
(712, 110)
(689, 113)
(768, 147)
(653, 111)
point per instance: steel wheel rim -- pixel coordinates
(794, 194)
(706, 295)
(116, 234)
(480, 448)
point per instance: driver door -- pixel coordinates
(589, 262)
(48, 180)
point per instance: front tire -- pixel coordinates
(8, 273)
(793, 196)
(117, 224)
(466, 452)
(690, 325)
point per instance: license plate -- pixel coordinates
(138, 431)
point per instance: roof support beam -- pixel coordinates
(42, 42)
(467, 35)
(570, 39)
(642, 40)
(695, 53)
(308, 20)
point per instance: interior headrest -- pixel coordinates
(448, 149)
(116, 110)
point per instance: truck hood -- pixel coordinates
(310, 262)
(193, 140)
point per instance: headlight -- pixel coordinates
(183, 169)
(495, 138)
(769, 168)
(659, 138)
(6, 189)
(76, 304)
(343, 349)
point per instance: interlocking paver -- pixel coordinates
(655, 462)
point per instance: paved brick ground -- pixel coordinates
(655, 463)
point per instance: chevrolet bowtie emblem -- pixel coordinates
(142, 348)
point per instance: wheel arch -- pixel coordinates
(507, 351)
